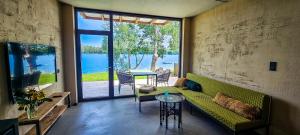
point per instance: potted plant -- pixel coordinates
(29, 100)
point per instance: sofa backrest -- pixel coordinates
(211, 87)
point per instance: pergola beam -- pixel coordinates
(137, 20)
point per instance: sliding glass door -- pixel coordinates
(94, 66)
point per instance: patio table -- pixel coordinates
(134, 74)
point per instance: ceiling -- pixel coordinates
(168, 8)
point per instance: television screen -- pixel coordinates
(30, 66)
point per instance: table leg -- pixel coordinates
(147, 80)
(134, 88)
(167, 115)
(152, 81)
(174, 106)
(180, 115)
(163, 111)
(160, 113)
(156, 80)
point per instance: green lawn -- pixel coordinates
(46, 78)
(101, 76)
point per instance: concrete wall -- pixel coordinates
(235, 42)
(28, 21)
(68, 35)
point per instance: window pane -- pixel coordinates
(143, 44)
(93, 21)
(94, 66)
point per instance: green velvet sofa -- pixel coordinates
(203, 102)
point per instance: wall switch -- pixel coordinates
(273, 66)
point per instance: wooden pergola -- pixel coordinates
(128, 19)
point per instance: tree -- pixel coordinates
(91, 49)
(104, 45)
(128, 46)
(133, 41)
(171, 29)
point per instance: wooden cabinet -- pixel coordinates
(46, 115)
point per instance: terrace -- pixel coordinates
(100, 88)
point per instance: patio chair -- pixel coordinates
(163, 77)
(125, 79)
(160, 70)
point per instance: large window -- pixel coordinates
(111, 42)
(145, 43)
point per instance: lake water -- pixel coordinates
(92, 63)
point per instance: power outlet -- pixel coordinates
(273, 66)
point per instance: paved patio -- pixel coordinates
(100, 88)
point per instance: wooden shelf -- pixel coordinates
(50, 119)
(46, 115)
(25, 129)
(45, 108)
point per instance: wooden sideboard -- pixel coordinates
(46, 115)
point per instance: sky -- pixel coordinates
(92, 40)
(85, 24)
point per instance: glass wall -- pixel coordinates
(109, 55)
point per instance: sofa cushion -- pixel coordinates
(243, 109)
(158, 90)
(194, 86)
(180, 82)
(223, 115)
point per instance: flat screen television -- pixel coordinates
(29, 66)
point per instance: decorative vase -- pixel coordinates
(30, 111)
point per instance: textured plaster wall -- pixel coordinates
(235, 42)
(28, 21)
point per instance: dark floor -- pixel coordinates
(121, 117)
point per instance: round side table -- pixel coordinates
(170, 105)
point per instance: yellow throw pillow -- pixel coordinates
(243, 109)
(180, 82)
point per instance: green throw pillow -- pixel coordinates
(193, 85)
